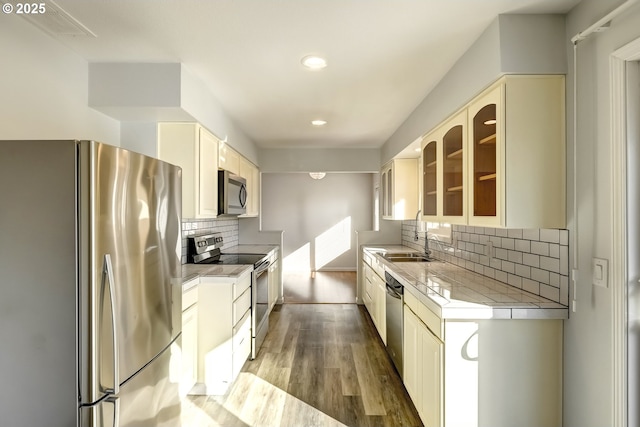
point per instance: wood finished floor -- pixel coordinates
(337, 287)
(320, 365)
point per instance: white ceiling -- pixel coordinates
(384, 56)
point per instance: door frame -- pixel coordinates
(619, 270)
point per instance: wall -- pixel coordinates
(43, 88)
(512, 44)
(141, 94)
(327, 160)
(319, 217)
(588, 367)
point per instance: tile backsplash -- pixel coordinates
(227, 226)
(534, 260)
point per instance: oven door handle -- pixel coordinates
(264, 265)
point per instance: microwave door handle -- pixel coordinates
(108, 273)
(243, 195)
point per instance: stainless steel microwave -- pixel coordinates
(232, 194)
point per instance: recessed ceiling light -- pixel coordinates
(314, 62)
(318, 122)
(490, 122)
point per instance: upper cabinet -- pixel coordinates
(517, 154)
(500, 161)
(195, 150)
(399, 182)
(444, 172)
(229, 159)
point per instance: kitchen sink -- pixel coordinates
(406, 257)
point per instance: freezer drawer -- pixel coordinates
(149, 398)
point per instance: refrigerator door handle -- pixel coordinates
(108, 273)
(116, 410)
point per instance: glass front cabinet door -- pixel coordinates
(517, 154)
(485, 138)
(444, 172)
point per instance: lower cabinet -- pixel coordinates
(375, 300)
(189, 339)
(422, 375)
(274, 281)
(482, 372)
(224, 331)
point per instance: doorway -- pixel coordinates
(625, 130)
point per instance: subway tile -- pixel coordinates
(478, 268)
(564, 237)
(509, 267)
(489, 272)
(554, 250)
(549, 292)
(508, 244)
(501, 232)
(531, 286)
(523, 245)
(554, 280)
(531, 260)
(564, 260)
(540, 248)
(515, 233)
(502, 253)
(489, 231)
(531, 234)
(540, 275)
(502, 276)
(564, 290)
(496, 241)
(550, 264)
(550, 235)
(523, 270)
(514, 280)
(479, 248)
(496, 263)
(515, 257)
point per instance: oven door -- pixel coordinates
(260, 302)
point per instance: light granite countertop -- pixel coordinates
(453, 292)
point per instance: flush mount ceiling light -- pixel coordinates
(318, 122)
(490, 122)
(317, 175)
(314, 62)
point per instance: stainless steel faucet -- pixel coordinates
(427, 251)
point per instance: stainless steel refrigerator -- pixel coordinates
(90, 294)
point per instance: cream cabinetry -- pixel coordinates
(251, 174)
(517, 154)
(399, 183)
(189, 339)
(195, 150)
(375, 295)
(443, 163)
(229, 159)
(482, 372)
(224, 331)
(274, 280)
(500, 161)
(423, 364)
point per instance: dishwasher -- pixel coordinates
(394, 317)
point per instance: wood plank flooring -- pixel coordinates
(336, 287)
(320, 365)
